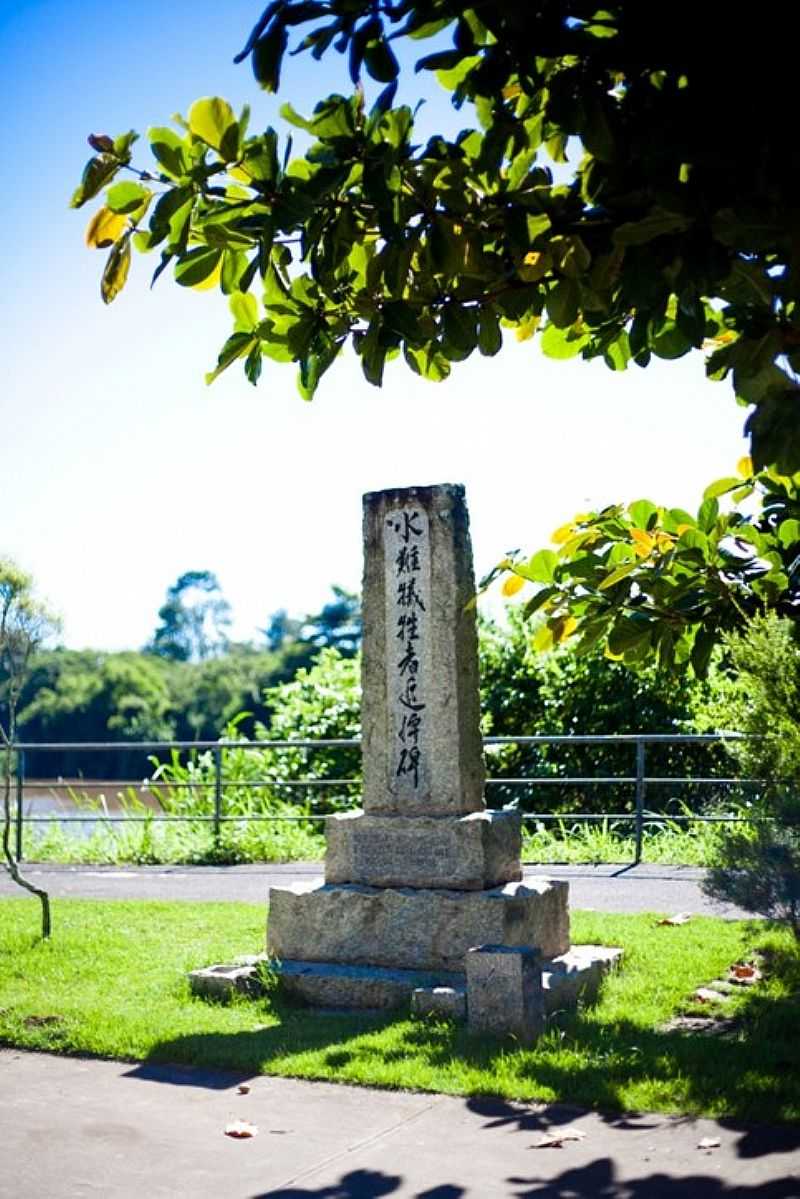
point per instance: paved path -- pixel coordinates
(75, 1128)
(643, 888)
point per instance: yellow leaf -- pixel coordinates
(512, 585)
(105, 228)
(682, 528)
(511, 91)
(527, 329)
(543, 639)
(643, 543)
(564, 628)
(116, 270)
(745, 466)
(563, 533)
(211, 280)
(664, 541)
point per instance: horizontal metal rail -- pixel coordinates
(217, 784)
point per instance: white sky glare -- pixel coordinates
(120, 469)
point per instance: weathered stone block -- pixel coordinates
(449, 1003)
(577, 974)
(472, 852)
(333, 985)
(504, 992)
(421, 739)
(414, 929)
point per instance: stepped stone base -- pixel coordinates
(472, 852)
(414, 929)
(566, 978)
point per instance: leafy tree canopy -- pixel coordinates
(661, 584)
(678, 227)
(194, 619)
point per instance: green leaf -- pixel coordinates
(657, 224)
(96, 174)
(197, 265)
(702, 648)
(670, 342)
(720, 486)
(169, 149)
(267, 56)
(237, 345)
(616, 576)
(127, 197)
(212, 120)
(693, 539)
(627, 633)
(789, 532)
(380, 61)
(562, 343)
(490, 335)
(116, 270)
(707, 514)
(643, 514)
(244, 308)
(562, 303)
(540, 568)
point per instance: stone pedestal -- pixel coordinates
(469, 853)
(414, 929)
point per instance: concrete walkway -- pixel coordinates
(620, 888)
(74, 1128)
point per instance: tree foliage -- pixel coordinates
(758, 865)
(24, 623)
(677, 228)
(194, 619)
(651, 583)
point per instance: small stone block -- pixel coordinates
(449, 1003)
(577, 975)
(474, 852)
(222, 982)
(504, 992)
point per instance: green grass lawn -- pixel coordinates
(112, 982)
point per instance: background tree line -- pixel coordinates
(187, 683)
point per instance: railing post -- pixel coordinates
(20, 814)
(640, 792)
(217, 793)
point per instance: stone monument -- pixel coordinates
(424, 873)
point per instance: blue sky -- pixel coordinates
(120, 469)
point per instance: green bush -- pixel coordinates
(757, 865)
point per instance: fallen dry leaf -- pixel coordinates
(36, 1021)
(709, 1143)
(744, 973)
(678, 918)
(243, 1088)
(555, 1140)
(240, 1129)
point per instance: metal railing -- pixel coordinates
(638, 780)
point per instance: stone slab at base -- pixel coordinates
(413, 929)
(474, 852)
(573, 975)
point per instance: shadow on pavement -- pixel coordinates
(596, 1180)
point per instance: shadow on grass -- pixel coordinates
(752, 1074)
